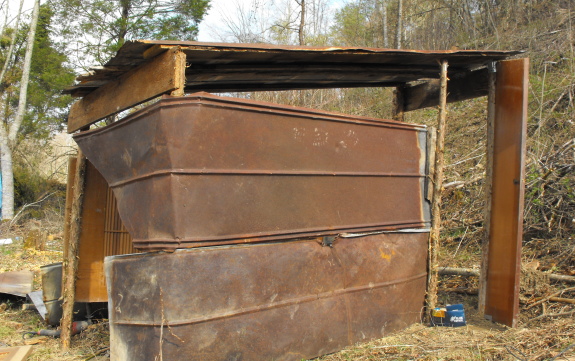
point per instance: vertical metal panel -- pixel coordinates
(278, 301)
(91, 286)
(504, 265)
(103, 234)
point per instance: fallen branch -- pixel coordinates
(570, 313)
(548, 298)
(562, 300)
(461, 184)
(467, 272)
(28, 205)
(561, 278)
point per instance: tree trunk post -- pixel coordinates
(71, 257)
(398, 111)
(488, 189)
(432, 265)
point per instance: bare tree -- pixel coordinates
(384, 23)
(301, 29)
(399, 29)
(8, 134)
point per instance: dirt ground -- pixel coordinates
(537, 337)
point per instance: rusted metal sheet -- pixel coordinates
(90, 284)
(102, 234)
(222, 67)
(51, 292)
(205, 170)
(275, 301)
(17, 283)
(506, 225)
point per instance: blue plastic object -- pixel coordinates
(455, 315)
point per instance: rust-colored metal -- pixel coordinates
(221, 67)
(278, 301)
(17, 283)
(102, 234)
(204, 170)
(117, 240)
(506, 226)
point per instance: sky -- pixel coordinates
(211, 27)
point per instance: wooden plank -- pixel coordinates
(162, 74)
(18, 353)
(462, 87)
(506, 232)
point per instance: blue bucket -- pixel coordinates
(455, 316)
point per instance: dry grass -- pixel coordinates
(14, 321)
(540, 338)
(479, 340)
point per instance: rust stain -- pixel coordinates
(386, 256)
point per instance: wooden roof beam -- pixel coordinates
(164, 73)
(473, 84)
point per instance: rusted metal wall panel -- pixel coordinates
(207, 170)
(91, 284)
(506, 232)
(278, 301)
(102, 234)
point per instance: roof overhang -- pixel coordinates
(222, 67)
(144, 69)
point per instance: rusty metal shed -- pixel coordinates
(143, 70)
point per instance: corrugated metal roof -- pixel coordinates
(250, 67)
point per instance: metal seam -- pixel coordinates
(281, 304)
(259, 172)
(296, 233)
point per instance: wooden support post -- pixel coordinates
(71, 257)
(398, 111)
(432, 275)
(506, 220)
(487, 188)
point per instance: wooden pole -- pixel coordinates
(71, 257)
(488, 190)
(398, 110)
(432, 275)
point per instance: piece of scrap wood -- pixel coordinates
(17, 283)
(18, 353)
(160, 75)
